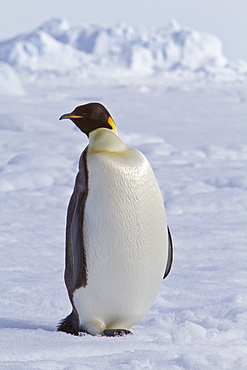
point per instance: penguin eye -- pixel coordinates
(86, 114)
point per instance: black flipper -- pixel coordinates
(76, 267)
(170, 254)
(75, 275)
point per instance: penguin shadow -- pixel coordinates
(23, 324)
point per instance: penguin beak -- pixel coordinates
(69, 116)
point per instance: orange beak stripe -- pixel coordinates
(75, 117)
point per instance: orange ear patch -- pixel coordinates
(112, 124)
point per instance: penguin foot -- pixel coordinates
(68, 325)
(116, 332)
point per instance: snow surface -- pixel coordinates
(195, 138)
(194, 134)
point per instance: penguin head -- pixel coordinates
(89, 117)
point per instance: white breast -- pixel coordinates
(125, 236)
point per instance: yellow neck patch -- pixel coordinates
(112, 124)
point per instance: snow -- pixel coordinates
(194, 134)
(9, 81)
(56, 49)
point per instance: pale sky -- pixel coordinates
(227, 19)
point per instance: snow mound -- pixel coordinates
(56, 27)
(9, 81)
(86, 50)
(40, 52)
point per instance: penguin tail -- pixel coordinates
(69, 324)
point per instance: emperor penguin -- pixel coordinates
(118, 244)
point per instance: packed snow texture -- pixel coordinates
(10, 83)
(194, 135)
(93, 50)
